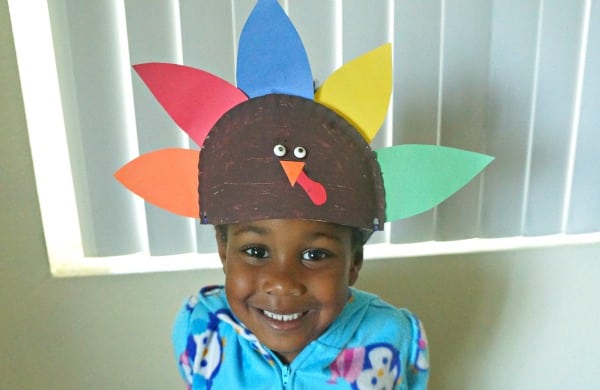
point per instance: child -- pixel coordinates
(287, 317)
(294, 190)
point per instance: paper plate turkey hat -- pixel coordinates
(272, 148)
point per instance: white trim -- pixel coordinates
(534, 97)
(135, 263)
(144, 263)
(472, 245)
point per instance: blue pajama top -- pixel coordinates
(371, 345)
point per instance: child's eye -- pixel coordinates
(315, 254)
(256, 252)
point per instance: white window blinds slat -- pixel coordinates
(466, 37)
(584, 206)
(510, 97)
(209, 36)
(321, 33)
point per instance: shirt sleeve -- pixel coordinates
(418, 367)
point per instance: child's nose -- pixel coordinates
(283, 280)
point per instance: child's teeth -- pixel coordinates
(282, 317)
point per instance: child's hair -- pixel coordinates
(357, 239)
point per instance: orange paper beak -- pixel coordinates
(292, 170)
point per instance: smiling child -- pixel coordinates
(287, 317)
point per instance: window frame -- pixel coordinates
(56, 193)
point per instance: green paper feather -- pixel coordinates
(419, 177)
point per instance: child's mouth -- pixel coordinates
(283, 317)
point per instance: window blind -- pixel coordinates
(519, 80)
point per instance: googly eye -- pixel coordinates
(299, 152)
(279, 150)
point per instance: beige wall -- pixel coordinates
(505, 320)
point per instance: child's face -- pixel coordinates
(287, 280)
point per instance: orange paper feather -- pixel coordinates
(167, 178)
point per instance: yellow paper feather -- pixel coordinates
(360, 90)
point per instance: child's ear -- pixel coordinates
(357, 262)
(221, 247)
